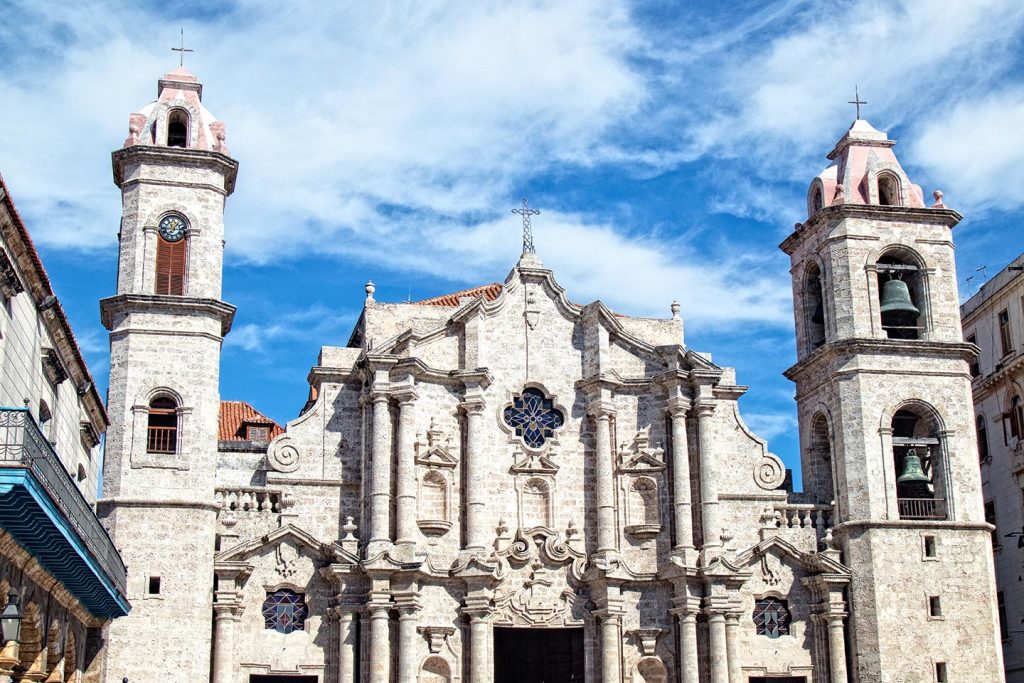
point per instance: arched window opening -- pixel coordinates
(900, 297)
(817, 203)
(171, 255)
(888, 190)
(772, 617)
(917, 460)
(536, 503)
(162, 434)
(819, 461)
(285, 611)
(651, 670)
(435, 670)
(979, 426)
(814, 308)
(177, 128)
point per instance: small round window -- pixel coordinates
(285, 611)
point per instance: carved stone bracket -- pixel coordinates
(436, 636)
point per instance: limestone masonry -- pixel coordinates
(505, 485)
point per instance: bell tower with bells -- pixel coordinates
(883, 394)
(166, 322)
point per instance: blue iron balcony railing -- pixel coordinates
(22, 445)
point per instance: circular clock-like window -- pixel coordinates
(172, 227)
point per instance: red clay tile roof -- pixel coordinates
(490, 293)
(235, 415)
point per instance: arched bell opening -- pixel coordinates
(177, 128)
(901, 296)
(819, 461)
(814, 308)
(889, 190)
(918, 459)
(162, 428)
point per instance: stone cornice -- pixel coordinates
(882, 347)
(836, 212)
(171, 305)
(175, 155)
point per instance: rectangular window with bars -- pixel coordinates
(1004, 627)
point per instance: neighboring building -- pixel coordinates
(501, 484)
(56, 559)
(994, 320)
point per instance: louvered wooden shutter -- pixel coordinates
(170, 267)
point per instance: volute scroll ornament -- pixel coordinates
(770, 472)
(283, 455)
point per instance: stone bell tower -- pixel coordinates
(884, 402)
(166, 325)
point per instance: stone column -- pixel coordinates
(708, 480)
(732, 623)
(611, 648)
(408, 661)
(380, 471)
(346, 644)
(225, 615)
(475, 495)
(682, 505)
(380, 643)
(689, 662)
(480, 668)
(718, 648)
(604, 455)
(405, 484)
(836, 647)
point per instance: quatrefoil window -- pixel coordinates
(533, 417)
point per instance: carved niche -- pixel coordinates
(540, 579)
(641, 478)
(435, 462)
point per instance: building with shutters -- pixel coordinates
(502, 484)
(59, 570)
(993, 319)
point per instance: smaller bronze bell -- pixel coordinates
(818, 317)
(913, 472)
(896, 299)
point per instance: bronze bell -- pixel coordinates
(913, 472)
(818, 317)
(896, 298)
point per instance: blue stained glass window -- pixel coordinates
(533, 417)
(771, 616)
(285, 611)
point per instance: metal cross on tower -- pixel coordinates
(856, 101)
(526, 212)
(182, 50)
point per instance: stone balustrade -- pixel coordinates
(803, 515)
(248, 499)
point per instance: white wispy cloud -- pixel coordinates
(399, 126)
(312, 323)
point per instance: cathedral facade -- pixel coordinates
(504, 485)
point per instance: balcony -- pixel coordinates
(922, 508)
(43, 510)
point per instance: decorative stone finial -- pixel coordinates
(675, 310)
(370, 289)
(938, 200)
(349, 527)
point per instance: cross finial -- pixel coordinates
(182, 50)
(856, 100)
(526, 212)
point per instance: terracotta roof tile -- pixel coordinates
(235, 415)
(489, 292)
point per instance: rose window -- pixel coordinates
(285, 611)
(534, 417)
(771, 617)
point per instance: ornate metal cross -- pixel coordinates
(856, 100)
(526, 212)
(182, 50)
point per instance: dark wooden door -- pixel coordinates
(538, 655)
(260, 678)
(776, 679)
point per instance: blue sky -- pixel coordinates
(668, 145)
